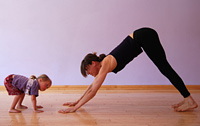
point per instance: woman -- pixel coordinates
(144, 38)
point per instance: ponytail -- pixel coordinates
(33, 77)
(101, 57)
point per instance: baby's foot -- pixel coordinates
(22, 107)
(185, 105)
(14, 111)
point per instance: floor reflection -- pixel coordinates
(184, 121)
(84, 117)
(24, 119)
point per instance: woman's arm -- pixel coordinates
(88, 95)
(106, 67)
(74, 103)
(98, 81)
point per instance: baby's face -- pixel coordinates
(44, 85)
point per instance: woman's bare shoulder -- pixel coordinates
(110, 62)
(110, 57)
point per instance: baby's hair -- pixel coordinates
(43, 76)
(33, 77)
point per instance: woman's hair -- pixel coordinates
(43, 76)
(88, 61)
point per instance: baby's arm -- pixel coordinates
(35, 107)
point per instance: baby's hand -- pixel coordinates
(39, 107)
(38, 111)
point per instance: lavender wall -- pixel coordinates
(53, 36)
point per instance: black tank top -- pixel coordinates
(125, 52)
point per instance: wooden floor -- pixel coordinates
(108, 108)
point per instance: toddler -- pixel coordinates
(20, 85)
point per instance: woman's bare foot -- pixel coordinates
(177, 105)
(14, 111)
(22, 107)
(187, 104)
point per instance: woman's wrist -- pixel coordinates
(78, 101)
(75, 108)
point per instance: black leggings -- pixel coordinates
(148, 39)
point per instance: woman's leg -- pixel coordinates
(149, 41)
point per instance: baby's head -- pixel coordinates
(44, 81)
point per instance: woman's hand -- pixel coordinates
(68, 110)
(70, 103)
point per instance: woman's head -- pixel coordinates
(89, 64)
(43, 80)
